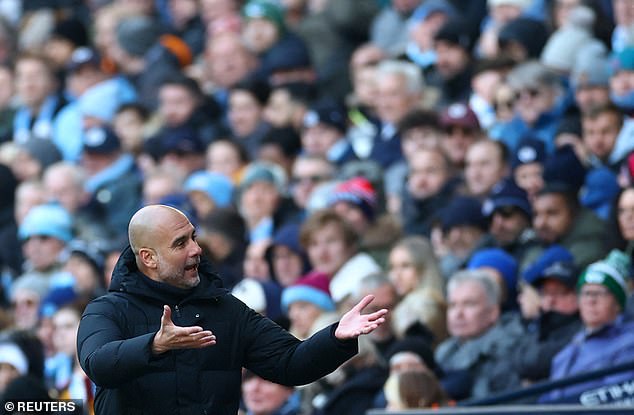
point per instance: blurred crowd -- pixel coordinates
(469, 163)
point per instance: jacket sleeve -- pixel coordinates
(278, 356)
(107, 357)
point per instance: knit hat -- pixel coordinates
(459, 115)
(555, 253)
(455, 31)
(100, 140)
(417, 346)
(565, 272)
(72, 30)
(42, 150)
(563, 45)
(564, 169)
(311, 288)
(180, 140)
(329, 113)
(429, 7)
(216, 186)
(622, 61)
(600, 188)
(262, 171)
(507, 193)
(47, 220)
(530, 33)
(82, 56)
(12, 355)
(499, 260)
(265, 9)
(288, 236)
(461, 211)
(529, 150)
(358, 192)
(137, 34)
(591, 66)
(570, 124)
(102, 100)
(612, 272)
(262, 296)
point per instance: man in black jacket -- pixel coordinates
(168, 339)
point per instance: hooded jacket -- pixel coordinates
(117, 330)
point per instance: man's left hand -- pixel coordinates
(353, 323)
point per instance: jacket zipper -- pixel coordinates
(178, 311)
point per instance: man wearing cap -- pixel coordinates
(463, 228)
(324, 133)
(557, 322)
(527, 165)
(606, 339)
(97, 97)
(462, 129)
(113, 180)
(510, 216)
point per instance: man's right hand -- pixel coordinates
(171, 336)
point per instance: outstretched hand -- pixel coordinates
(170, 336)
(353, 323)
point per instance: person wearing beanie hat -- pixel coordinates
(522, 38)
(500, 12)
(564, 169)
(324, 132)
(453, 44)
(137, 34)
(208, 191)
(286, 257)
(13, 364)
(356, 201)
(590, 76)
(67, 35)
(607, 338)
(503, 269)
(555, 253)
(527, 165)
(600, 189)
(33, 157)
(47, 220)
(308, 304)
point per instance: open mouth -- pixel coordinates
(191, 267)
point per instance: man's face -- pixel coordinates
(264, 397)
(259, 201)
(557, 296)
(259, 34)
(457, 142)
(530, 103)
(484, 168)
(394, 100)
(420, 138)
(65, 325)
(327, 249)
(227, 60)
(551, 217)
(318, 139)
(177, 252)
(244, 112)
(287, 265)
(450, 59)
(308, 174)
(302, 315)
(176, 104)
(600, 133)
(529, 177)
(591, 96)
(427, 174)
(597, 306)
(507, 223)
(469, 313)
(33, 81)
(42, 251)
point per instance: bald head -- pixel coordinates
(146, 223)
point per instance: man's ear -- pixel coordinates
(148, 257)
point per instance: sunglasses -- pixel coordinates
(527, 92)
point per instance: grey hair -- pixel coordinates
(407, 70)
(532, 74)
(491, 289)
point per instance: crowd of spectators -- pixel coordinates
(469, 163)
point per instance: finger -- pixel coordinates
(363, 303)
(202, 335)
(187, 331)
(166, 318)
(377, 314)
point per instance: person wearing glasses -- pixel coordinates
(607, 338)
